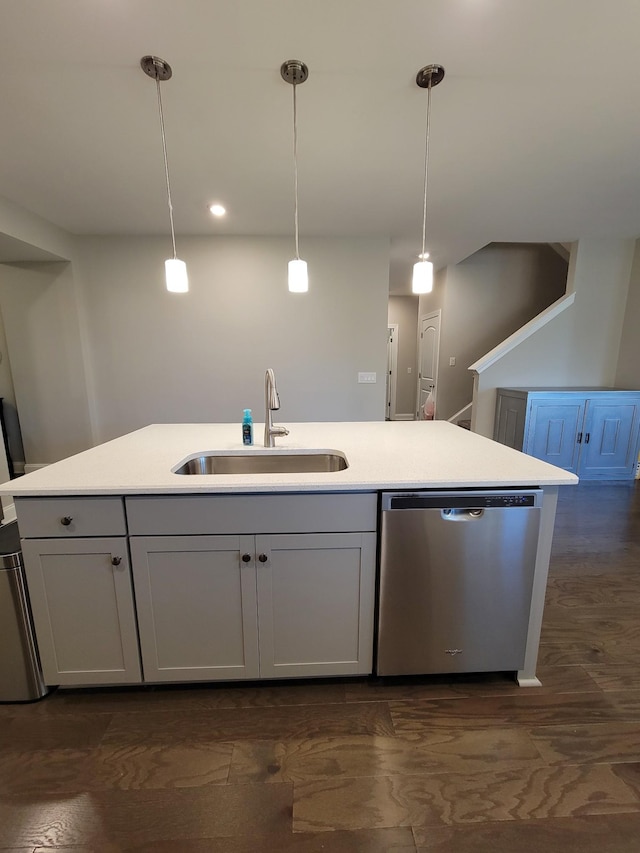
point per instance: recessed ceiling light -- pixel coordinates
(217, 210)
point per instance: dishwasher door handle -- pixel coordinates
(456, 514)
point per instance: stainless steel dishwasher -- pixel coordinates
(456, 578)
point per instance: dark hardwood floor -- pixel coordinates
(439, 765)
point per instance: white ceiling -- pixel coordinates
(535, 129)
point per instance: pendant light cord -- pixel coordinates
(166, 167)
(426, 171)
(295, 169)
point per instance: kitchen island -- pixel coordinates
(140, 574)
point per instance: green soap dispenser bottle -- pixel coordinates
(247, 427)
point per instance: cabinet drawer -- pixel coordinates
(50, 517)
(202, 514)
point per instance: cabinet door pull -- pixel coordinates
(115, 561)
(263, 558)
(246, 558)
(66, 520)
(587, 436)
(579, 438)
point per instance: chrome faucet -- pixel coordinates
(271, 404)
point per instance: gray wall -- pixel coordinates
(25, 236)
(39, 308)
(157, 357)
(628, 368)
(485, 299)
(403, 311)
(8, 394)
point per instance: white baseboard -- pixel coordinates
(28, 468)
(407, 417)
(530, 681)
(8, 511)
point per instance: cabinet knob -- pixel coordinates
(115, 561)
(66, 520)
(246, 558)
(263, 558)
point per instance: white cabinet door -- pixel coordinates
(82, 603)
(315, 604)
(610, 439)
(554, 428)
(196, 601)
(200, 612)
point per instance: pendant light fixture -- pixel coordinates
(175, 269)
(295, 72)
(426, 78)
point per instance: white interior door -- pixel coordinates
(428, 351)
(392, 366)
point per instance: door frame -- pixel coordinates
(392, 371)
(431, 314)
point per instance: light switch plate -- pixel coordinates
(367, 378)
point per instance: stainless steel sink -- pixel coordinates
(264, 463)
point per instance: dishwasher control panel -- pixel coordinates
(509, 500)
(460, 500)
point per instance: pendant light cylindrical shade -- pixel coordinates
(422, 281)
(298, 276)
(176, 277)
(295, 72)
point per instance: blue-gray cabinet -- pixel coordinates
(591, 432)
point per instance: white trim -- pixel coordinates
(9, 513)
(392, 365)
(522, 334)
(474, 409)
(528, 682)
(34, 467)
(463, 411)
(408, 416)
(526, 677)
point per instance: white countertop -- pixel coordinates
(391, 455)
